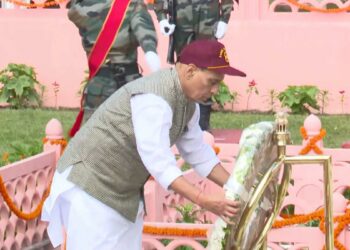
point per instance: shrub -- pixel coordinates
(20, 86)
(189, 213)
(224, 95)
(299, 99)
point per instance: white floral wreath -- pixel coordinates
(256, 139)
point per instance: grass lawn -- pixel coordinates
(337, 126)
(22, 131)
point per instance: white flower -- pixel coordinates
(230, 194)
(217, 235)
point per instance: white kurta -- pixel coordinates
(89, 223)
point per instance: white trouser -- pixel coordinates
(89, 223)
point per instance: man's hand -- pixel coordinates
(215, 204)
(222, 207)
(166, 28)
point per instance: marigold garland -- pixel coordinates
(37, 211)
(62, 142)
(5, 157)
(173, 231)
(311, 8)
(26, 216)
(341, 220)
(311, 145)
(216, 149)
(35, 5)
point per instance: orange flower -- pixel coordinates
(5, 157)
(62, 142)
(34, 5)
(341, 221)
(311, 8)
(173, 231)
(17, 211)
(216, 149)
(311, 145)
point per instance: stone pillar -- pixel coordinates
(313, 126)
(54, 133)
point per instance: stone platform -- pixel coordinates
(226, 135)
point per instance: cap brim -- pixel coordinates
(230, 71)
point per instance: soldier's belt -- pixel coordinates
(200, 1)
(124, 68)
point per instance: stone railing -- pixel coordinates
(25, 182)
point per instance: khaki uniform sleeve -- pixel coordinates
(225, 9)
(143, 29)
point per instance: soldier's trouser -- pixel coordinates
(195, 19)
(204, 118)
(183, 38)
(109, 79)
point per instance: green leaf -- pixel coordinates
(3, 96)
(223, 95)
(296, 97)
(20, 85)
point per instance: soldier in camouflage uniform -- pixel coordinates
(195, 19)
(121, 65)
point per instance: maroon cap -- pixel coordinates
(208, 54)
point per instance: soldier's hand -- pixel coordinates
(152, 60)
(220, 206)
(166, 28)
(221, 30)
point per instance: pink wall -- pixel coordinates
(46, 40)
(274, 49)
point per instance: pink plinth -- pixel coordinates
(313, 126)
(54, 129)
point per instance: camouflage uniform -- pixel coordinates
(121, 65)
(196, 19)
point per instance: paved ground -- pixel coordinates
(226, 135)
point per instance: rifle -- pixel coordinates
(172, 20)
